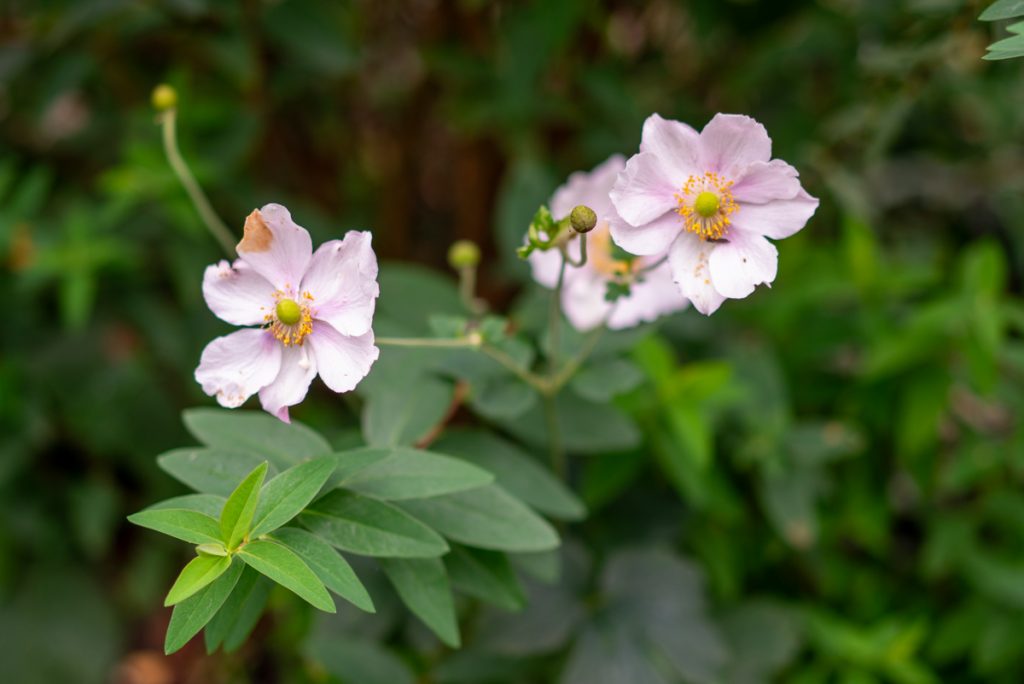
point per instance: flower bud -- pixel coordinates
(583, 219)
(463, 254)
(164, 97)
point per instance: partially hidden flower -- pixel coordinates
(651, 292)
(711, 199)
(312, 314)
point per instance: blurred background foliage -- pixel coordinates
(821, 483)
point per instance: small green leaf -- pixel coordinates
(240, 613)
(192, 614)
(1003, 9)
(236, 519)
(1011, 44)
(282, 565)
(329, 565)
(422, 584)
(370, 527)
(179, 523)
(212, 549)
(487, 518)
(257, 432)
(403, 473)
(211, 471)
(286, 495)
(487, 575)
(201, 571)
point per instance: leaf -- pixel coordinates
(396, 416)
(359, 660)
(207, 504)
(404, 473)
(284, 566)
(211, 471)
(240, 613)
(501, 397)
(602, 381)
(256, 432)
(422, 584)
(487, 575)
(286, 495)
(180, 523)
(1003, 9)
(329, 565)
(236, 519)
(192, 614)
(586, 427)
(517, 472)
(369, 527)
(201, 571)
(487, 518)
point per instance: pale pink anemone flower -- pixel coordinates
(711, 199)
(584, 289)
(314, 312)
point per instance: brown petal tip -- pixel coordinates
(257, 236)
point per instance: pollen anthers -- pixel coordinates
(289, 320)
(706, 203)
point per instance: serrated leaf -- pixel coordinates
(192, 614)
(404, 473)
(329, 565)
(1003, 9)
(487, 575)
(486, 518)
(180, 523)
(519, 473)
(286, 495)
(240, 613)
(352, 522)
(422, 584)
(236, 519)
(211, 471)
(200, 571)
(256, 432)
(284, 566)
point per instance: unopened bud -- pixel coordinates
(583, 219)
(164, 97)
(463, 254)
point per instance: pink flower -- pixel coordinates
(314, 312)
(584, 289)
(711, 199)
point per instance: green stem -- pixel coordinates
(428, 342)
(206, 212)
(555, 319)
(533, 380)
(555, 450)
(583, 253)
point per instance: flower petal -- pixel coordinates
(688, 259)
(654, 297)
(234, 367)
(743, 263)
(588, 187)
(342, 360)
(342, 277)
(732, 141)
(276, 247)
(298, 368)
(644, 190)
(676, 144)
(583, 300)
(766, 181)
(544, 266)
(650, 238)
(236, 293)
(777, 219)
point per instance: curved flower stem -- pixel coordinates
(583, 253)
(557, 454)
(206, 212)
(535, 381)
(435, 342)
(555, 317)
(467, 291)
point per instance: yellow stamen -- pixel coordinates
(706, 203)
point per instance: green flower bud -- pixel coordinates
(164, 97)
(583, 219)
(463, 254)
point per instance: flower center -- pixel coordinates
(706, 203)
(291, 321)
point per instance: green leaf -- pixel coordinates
(1012, 43)
(1016, 28)
(606, 379)
(286, 495)
(240, 613)
(395, 416)
(329, 565)
(256, 432)
(284, 566)
(487, 518)
(192, 614)
(1004, 54)
(519, 473)
(1003, 9)
(359, 660)
(180, 523)
(501, 397)
(422, 584)
(211, 471)
(201, 571)
(236, 519)
(207, 504)
(404, 473)
(586, 427)
(487, 575)
(369, 527)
